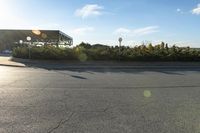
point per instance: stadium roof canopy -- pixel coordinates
(54, 37)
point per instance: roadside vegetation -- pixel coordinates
(87, 52)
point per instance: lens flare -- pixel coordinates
(82, 57)
(44, 36)
(147, 93)
(36, 32)
(28, 38)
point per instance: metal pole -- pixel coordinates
(29, 51)
(119, 50)
(28, 38)
(120, 41)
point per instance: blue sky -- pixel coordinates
(103, 21)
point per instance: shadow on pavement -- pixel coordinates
(169, 70)
(78, 77)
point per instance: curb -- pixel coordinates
(46, 64)
(23, 60)
(117, 67)
(106, 67)
(113, 63)
(11, 65)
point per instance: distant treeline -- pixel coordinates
(85, 52)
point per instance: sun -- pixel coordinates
(3, 5)
(5, 9)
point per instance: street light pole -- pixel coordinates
(28, 38)
(120, 43)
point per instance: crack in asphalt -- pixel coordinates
(60, 123)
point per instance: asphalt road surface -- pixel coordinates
(34, 100)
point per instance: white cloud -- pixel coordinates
(137, 32)
(122, 31)
(89, 10)
(82, 30)
(196, 10)
(146, 30)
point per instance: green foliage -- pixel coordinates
(44, 52)
(20, 52)
(85, 51)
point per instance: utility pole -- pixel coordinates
(120, 43)
(28, 38)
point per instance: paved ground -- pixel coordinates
(6, 60)
(38, 100)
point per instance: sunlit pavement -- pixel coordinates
(6, 61)
(99, 101)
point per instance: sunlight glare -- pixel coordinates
(4, 6)
(44, 36)
(36, 32)
(147, 93)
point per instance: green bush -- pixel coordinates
(20, 52)
(84, 52)
(44, 52)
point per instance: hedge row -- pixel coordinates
(85, 52)
(47, 53)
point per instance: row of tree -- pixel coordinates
(160, 52)
(85, 51)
